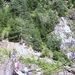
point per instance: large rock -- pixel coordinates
(65, 33)
(7, 68)
(63, 73)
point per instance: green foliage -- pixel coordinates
(32, 5)
(73, 27)
(37, 44)
(19, 7)
(3, 54)
(14, 34)
(1, 3)
(46, 51)
(73, 1)
(25, 30)
(28, 60)
(47, 67)
(53, 42)
(69, 3)
(33, 20)
(60, 7)
(59, 56)
(31, 35)
(46, 4)
(45, 21)
(4, 18)
(5, 32)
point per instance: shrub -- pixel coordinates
(69, 3)
(53, 42)
(32, 5)
(60, 7)
(1, 3)
(14, 33)
(25, 30)
(45, 51)
(45, 21)
(31, 35)
(59, 56)
(73, 1)
(4, 18)
(19, 7)
(37, 44)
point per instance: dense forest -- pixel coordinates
(34, 22)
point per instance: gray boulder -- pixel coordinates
(7, 68)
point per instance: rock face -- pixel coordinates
(64, 31)
(68, 70)
(22, 49)
(6, 68)
(71, 56)
(63, 73)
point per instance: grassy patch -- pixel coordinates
(27, 60)
(47, 67)
(3, 55)
(4, 52)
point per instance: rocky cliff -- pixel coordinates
(64, 31)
